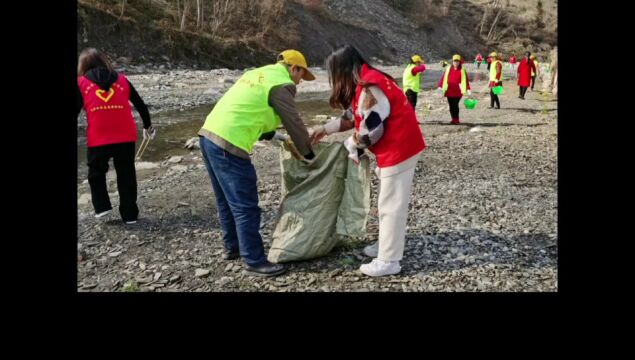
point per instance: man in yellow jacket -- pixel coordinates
(251, 110)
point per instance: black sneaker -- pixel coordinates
(230, 255)
(267, 269)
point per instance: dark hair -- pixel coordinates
(344, 67)
(92, 58)
(528, 54)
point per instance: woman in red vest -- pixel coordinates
(479, 60)
(512, 62)
(525, 69)
(453, 92)
(105, 95)
(386, 125)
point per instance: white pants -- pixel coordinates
(395, 184)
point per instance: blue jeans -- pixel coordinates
(235, 185)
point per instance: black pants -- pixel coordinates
(412, 97)
(533, 82)
(523, 90)
(454, 107)
(123, 158)
(494, 99)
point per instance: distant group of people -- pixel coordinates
(454, 83)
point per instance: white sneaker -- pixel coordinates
(102, 214)
(371, 250)
(380, 268)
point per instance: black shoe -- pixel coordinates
(491, 107)
(230, 255)
(267, 269)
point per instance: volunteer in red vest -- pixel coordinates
(385, 124)
(512, 62)
(495, 79)
(105, 95)
(454, 84)
(251, 110)
(525, 68)
(479, 60)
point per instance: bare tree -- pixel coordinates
(123, 5)
(178, 11)
(220, 14)
(198, 14)
(186, 7)
(480, 32)
(491, 29)
(496, 4)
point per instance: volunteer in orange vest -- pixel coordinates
(105, 95)
(386, 125)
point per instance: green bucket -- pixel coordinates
(497, 90)
(470, 103)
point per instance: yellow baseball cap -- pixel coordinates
(416, 58)
(456, 57)
(294, 57)
(494, 54)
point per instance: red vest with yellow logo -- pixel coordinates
(109, 114)
(402, 136)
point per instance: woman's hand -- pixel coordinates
(317, 133)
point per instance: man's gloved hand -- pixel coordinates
(280, 136)
(149, 133)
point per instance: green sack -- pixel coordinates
(327, 198)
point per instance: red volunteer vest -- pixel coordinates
(402, 137)
(109, 114)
